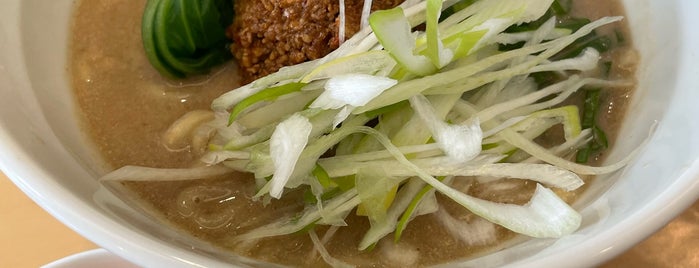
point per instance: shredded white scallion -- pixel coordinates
(366, 10)
(461, 142)
(136, 173)
(351, 89)
(343, 20)
(286, 144)
(318, 246)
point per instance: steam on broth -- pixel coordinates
(127, 106)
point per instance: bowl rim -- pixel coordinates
(33, 180)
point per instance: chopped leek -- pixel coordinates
(286, 144)
(392, 28)
(269, 94)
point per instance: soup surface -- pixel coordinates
(126, 106)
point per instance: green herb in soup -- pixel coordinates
(186, 37)
(438, 131)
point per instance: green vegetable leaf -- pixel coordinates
(182, 37)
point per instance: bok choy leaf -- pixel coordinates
(183, 38)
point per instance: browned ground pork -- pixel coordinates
(270, 34)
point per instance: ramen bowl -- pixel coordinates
(44, 152)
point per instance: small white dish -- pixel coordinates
(91, 259)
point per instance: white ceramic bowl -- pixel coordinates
(42, 150)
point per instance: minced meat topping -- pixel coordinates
(270, 34)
